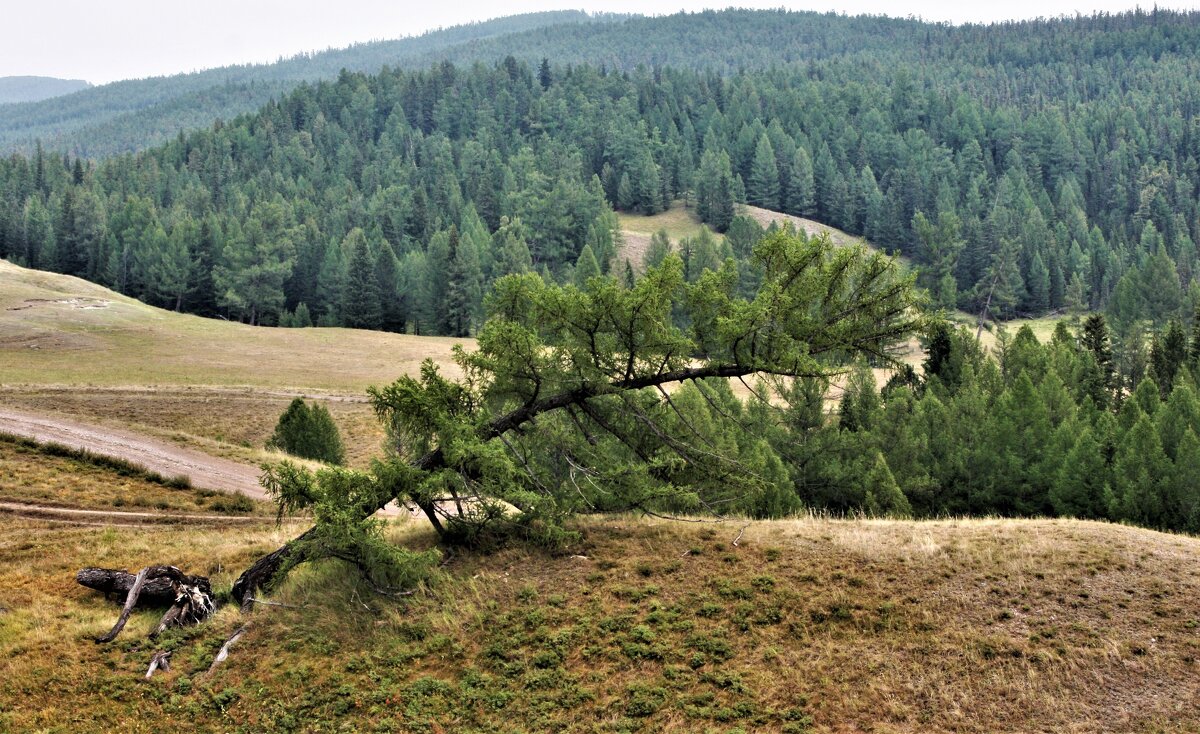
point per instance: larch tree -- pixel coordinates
(562, 404)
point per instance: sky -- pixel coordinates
(107, 40)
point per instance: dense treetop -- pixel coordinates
(1024, 167)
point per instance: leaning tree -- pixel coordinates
(562, 406)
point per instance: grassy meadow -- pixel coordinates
(642, 626)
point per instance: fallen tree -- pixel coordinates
(568, 380)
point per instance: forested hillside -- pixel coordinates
(16, 89)
(1025, 168)
(135, 114)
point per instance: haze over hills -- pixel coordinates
(18, 89)
(134, 114)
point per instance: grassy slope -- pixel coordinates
(75, 348)
(58, 329)
(826, 626)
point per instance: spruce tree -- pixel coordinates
(659, 249)
(763, 187)
(801, 190)
(1141, 473)
(511, 251)
(308, 432)
(361, 307)
(301, 318)
(464, 288)
(586, 266)
(1185, 514)
(393, 307)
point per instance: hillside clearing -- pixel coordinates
(56, 329)
(807, 625)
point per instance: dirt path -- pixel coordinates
(154, 454)
(75, 516)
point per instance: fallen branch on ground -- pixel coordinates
(161, 659)
(224, 651)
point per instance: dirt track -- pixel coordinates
(107, 518)
(154, 454)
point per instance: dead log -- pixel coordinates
(158, 590)
(191, 600)
(192, 606)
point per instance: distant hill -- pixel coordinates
(17, 89)
(134, 114)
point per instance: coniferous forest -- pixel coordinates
(1022, 169)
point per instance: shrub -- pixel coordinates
(308, 432)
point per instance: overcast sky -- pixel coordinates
(106, 40)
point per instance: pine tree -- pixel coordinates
(331, 285)
(1179, 414)
(1168, 353)
(511, 251)
(169, 271)
(1094, 338)
(1039, 285)
(301, 318)
(308, 432)
(801, 190)
(1080, 488)
(464, 288)
(763, 187)
(1141, 472)
(883, 495)
(586, 267)
(1185, 514)
(860, 406)
(361, 308)
(626, 196)
(660, 247)
(257, 263)
(392, 301)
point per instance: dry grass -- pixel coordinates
(809, 625)
(55, 329)
(1043, 328)
(233, 423)
(28, 475)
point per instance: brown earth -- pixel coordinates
(159, 456)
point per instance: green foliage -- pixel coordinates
(336, 498)
(845, 133)
(883, 495)
(308, 432)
